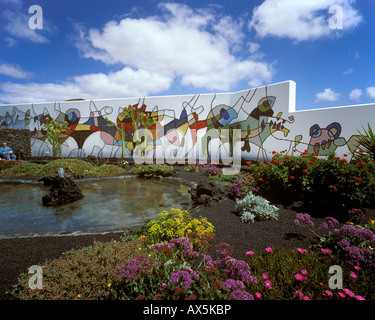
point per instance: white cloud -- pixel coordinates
(327, 95)
(14, 71)
(189, 44)
(370, 92)
(301, 20)
(349, 71)
(182, 46)
(124, 83)
(18, 27)
(16, 24)
(355, 94)
(253, 47)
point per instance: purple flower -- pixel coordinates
(224, 249)
(233, 284)
(324, 225)
(238, 269)
(184, 277)
(331, 221)
(303, 218)
(134, 268)
(241, 295)
(343, 243)
(183, 244)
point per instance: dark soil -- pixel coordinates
(18, 254)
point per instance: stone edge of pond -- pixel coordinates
(91, 179)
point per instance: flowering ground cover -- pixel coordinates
(211, 253)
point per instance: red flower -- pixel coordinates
(362, 164)
(345, 155)
(361, 150)
(275, 161)
(358, 179)
(311, 162)
(260, 179)
(287, 157)
(334, 189)
(292, 177)
(305, 171)
(248, 162)
(274, 152)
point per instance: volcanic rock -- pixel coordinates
(62, 191)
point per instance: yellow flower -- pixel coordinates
(372, 221)
(109, 284)
(200, 229)
(209, 230)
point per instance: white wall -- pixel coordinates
(283, 128)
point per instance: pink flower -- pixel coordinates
(306, 298)
(268, 284)
(264, 276)
(356, 267)
(349, 293)
(302, 251)
(341, 294)
(360, 298)
(258, 295)
(268, 250)
(329, 293)
(299, 294)
(299, 277)
(249, 253)
(353, 275)
(326, 251)
(304, 272)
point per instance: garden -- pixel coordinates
(276, 236)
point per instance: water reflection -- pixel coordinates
(106, 205)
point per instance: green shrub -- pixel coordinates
(84, 274)
(252, 208)
(174, 224)
(353, 244)
(154, 171)
(76, 166)
(210, 169)
(302, 274)
(7, 164)
(309, 178)
(366, 143)
(107, 170)
(191, 168)
(22, 169)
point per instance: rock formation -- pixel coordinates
(208, 191)
(62, 191)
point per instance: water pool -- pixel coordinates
(107, 205)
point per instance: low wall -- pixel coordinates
(261, 120)
(18, 140)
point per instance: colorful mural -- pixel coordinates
(195, 126)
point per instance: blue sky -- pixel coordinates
(119, 49)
